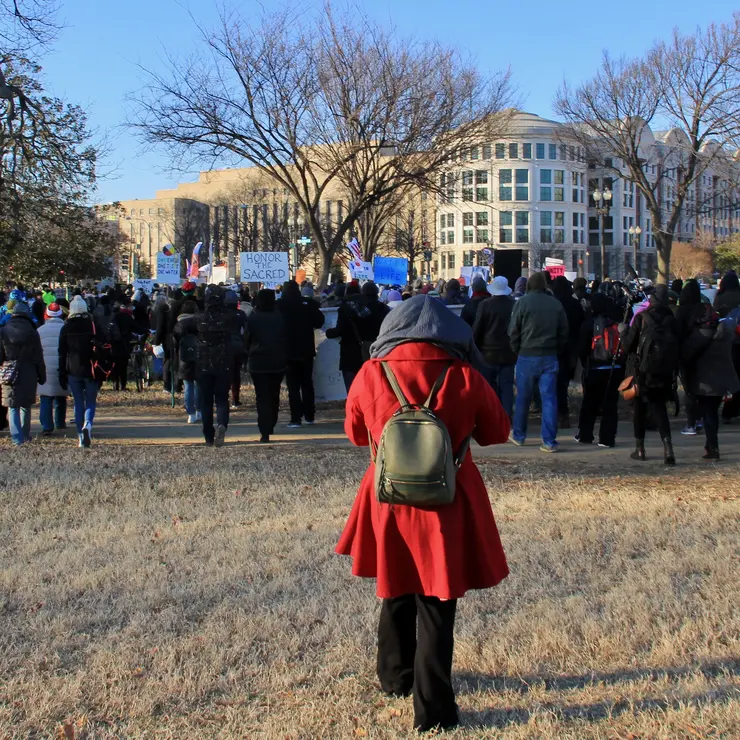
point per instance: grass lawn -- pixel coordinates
(174, 592)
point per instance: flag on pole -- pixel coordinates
(354, 249)
(194, 265)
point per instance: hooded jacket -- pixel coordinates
(538, 326)
(20, 341)
(302, 316)
(358, 320)
(491, 330)
(49, 336)
(76, 348)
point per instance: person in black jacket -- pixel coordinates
(163, 328)
(76, 343)
(237, 321)
(655, 388)
(480, 294)
(601, 377)
(491, 336)
(38, 308)
(141, 308)
(359, 318)
(302, 317)
(567, 361)
(20, 344)
(690, 311)
(119, 331)
(213, 368)
(185, 337)
(268, 359)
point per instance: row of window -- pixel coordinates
(515, 150)
(160, 212)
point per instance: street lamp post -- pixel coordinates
(635, 232)
(603, 204)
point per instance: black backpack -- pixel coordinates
(605, 343)
(658, 349)
(113, 332)
(189, 347)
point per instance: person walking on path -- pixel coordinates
(491, 335)
(603, 371)
(185, 347)
(302, 316)
(237, 321)
(691, 311)
(52, 397)
(538, 332)
(726, 302)
(22, 364)
(213, 366)
(653, 347)
(76, 355)
(267, 359)
(359, 318)
(424, 559)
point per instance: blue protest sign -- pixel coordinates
(391, 270)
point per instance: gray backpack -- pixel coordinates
(414, 460)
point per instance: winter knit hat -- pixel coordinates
(479, 285)
(188, 287)
(54, 311)
(21, 308)
(78, 306)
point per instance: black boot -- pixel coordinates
(711, 454)
(670, 458)
(639, 453)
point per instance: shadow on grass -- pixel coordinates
(598, 710)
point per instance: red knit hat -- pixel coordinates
(188, 287)
(54, 311)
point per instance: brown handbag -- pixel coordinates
(629, 388)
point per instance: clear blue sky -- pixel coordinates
(95, 62)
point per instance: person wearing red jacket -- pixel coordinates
(424, 559)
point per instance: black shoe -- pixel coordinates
(47, 432)
(670, 458)
(209, 443)
(639, 453)
(710, 454)
(443, 723)
(581, 441)
(220, 435)
(85, 437)
(264, 439)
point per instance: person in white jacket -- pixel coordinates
(53, 408)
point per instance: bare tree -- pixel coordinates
(325, 107)
(691, 83)
(689, 261)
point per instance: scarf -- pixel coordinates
(426, 319)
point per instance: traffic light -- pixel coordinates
(125, 262)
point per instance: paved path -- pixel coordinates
(165, 428)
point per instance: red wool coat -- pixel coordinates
(447, 550)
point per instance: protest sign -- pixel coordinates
(168, 267)
(269, 268)
(146, 285)
(555, 270)
(361, 270)
(391, 270)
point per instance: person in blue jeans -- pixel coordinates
(538, 332)
(76, 342)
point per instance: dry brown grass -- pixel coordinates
(160, 593)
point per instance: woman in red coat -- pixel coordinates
(424, 559)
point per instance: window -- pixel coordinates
(481, 236)
(451, 260)
(443, 237)
(504, 181)
(475, 153)
(467, 194)
(545, 226)
(481, 177)
(628, 196)
(468, 258)
(481, 194)
(505, 222)
(481, 218)
(627, 223)
(500, 151)
(545, 193)
(563, 152)
(522, 227)
(526, 151)
(572, 153)
(151, 211)
(160, 211)
(522, 182)
(444, 260)
(553, 151)
(486, 151)
(578, 191)
(442, 221)
(540, 151)
(450, 237)
(467, 177)
(450, 220)
(468, 218)
(513, 151)
(467, 236)
(141, 211)
(545, 177)
(559, 230)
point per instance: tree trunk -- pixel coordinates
(663, 243)
(326, 258)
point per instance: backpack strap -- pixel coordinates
(437, 386)
(394, 385)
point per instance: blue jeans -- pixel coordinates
(502, 381)
(20, 425)
(57, 405)
(192, 396)
(543, 372)
(85, 394)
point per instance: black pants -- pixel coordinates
(267, 391)
(119, 376)
(564, 376)
(709, 408)
(600, 394)
(348, 376)
(214, 389)
(167, 371)
(651, 404)
(299, 378)
(420, 663)
(236, 378)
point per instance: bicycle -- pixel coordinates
(139, 362)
